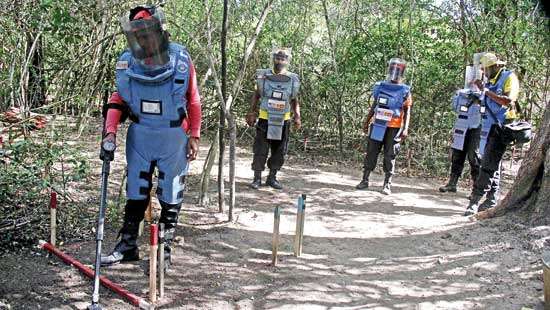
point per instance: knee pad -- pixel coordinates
(169, 214)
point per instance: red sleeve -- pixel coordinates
(192, 124)
(113, 115)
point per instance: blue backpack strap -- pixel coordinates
(125, 61)
(502, 80)
(376, 92)
(181, 77)
(405, 91)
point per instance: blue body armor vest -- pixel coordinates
(469, 116)
(499, 111)
(276, 90)
(389, 99)
(157, 101)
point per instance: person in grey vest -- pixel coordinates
(500, 95)
(467, 128)
(275, 103)
(390, 115)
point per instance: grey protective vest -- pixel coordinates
(276, 91)
(469, 116)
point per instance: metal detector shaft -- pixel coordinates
(99, 231)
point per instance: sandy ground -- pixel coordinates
(362, 250)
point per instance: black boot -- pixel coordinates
(257, 182)
(169, 216)
(473, 206)
(364, 181)
(387, 185)
(127, 249)
(490, 201)
(451, 185)
(272, 180)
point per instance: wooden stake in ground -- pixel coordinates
(546, 276)
(53, 217)
(161, 260)
(153, 201)
(153, 263)
(300, 216)
(275, 239)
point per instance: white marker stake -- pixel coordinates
(275, 239)
(161, 261)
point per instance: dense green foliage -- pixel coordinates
(64, 53)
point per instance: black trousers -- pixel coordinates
(391, 149)
(262, 145)
(470, 151)
(489, 176)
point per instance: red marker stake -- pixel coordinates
(153, 263)
(53, 217)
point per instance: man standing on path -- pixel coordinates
(467, 128)
(500, 95)
(391, 111)
(277, 95)
(157, 89)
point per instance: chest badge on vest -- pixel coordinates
(384, 114)
(122, 65)
(151, 107)
(182, 67)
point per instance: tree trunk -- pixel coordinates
(531, 189)
(204, 199)
(232, 158)
(36, 95)
(223, 41)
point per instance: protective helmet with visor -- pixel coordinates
(144, 28)
(396, 69)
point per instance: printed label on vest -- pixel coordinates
(384, 114)
(482, 110)
(151, 107)
(276, 104)
(463, 108)
(277, 94)
(122, 65)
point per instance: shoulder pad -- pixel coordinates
(178, 48)
(124, 60)
(294, 76)
(261, 73)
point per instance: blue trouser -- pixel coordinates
(164, 148)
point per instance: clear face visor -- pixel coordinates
(396, 70)
(147, 40)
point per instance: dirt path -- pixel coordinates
(362, 250)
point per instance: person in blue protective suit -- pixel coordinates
(277, 95)
(391, 114)
(157, 90)
(466, 131)
(500, 95)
